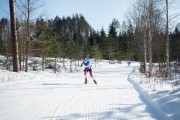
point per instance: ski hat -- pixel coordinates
(85, 60)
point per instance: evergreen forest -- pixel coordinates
(144, 36)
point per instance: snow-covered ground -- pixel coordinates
(159, 94)
(44, 95)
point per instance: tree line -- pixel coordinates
(144, 36)
(67, 37)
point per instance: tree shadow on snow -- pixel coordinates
(120, 112)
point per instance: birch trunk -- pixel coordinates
(150, 35)
(167, 37)
(145, 53)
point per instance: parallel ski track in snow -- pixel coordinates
(67, 98)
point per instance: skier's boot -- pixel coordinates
(85, 81)
(95, 82)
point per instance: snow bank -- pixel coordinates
(160, 97)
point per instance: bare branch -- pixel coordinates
(174, 17)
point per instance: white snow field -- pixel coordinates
(64, 96)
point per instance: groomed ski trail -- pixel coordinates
(66, 98)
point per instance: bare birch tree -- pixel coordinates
(27, 7)
(150, 30)
(147, 19)
(144, 32)
(140, 18)
(168, 20)
(167, 35)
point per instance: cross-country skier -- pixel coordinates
(87, 68)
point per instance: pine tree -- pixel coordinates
(103, 44)
(113, 39)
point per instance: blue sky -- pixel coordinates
(4, 8)
(98, 13)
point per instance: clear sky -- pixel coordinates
(98, 13)
(4, 8)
